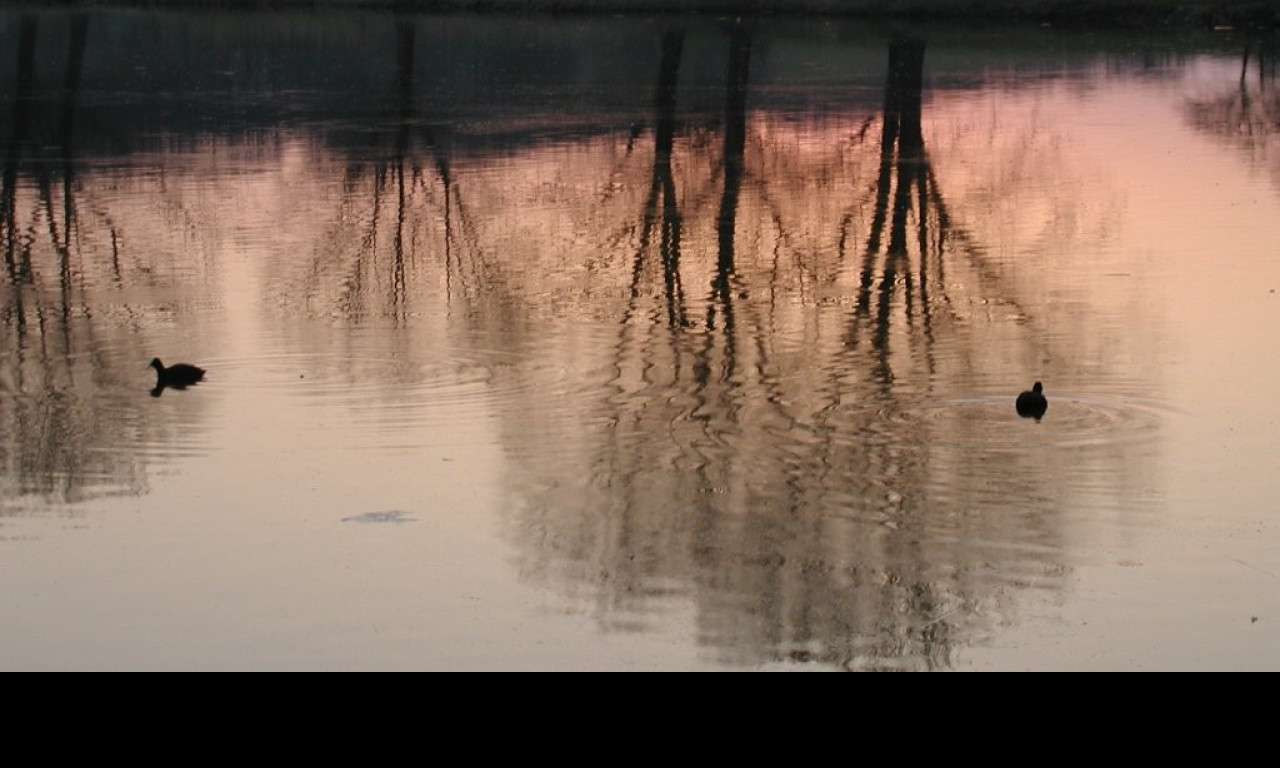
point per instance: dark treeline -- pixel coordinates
(1180, 13)
(144, 79)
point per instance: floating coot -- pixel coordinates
(1032, 405)
(178, 376)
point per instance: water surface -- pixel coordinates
(634, 344)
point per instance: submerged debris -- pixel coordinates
(386, 516)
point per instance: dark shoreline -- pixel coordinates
(1245, 14)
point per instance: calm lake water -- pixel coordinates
(635, 344)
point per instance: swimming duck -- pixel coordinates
(178, 376)
(1032, 405)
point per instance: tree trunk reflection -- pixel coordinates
(58, 442)
(712, 329)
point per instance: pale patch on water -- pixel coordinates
(388, 516)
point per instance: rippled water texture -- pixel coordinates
(635, 344)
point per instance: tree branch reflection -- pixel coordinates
(61, 443)
(1247, 116)
(725, 325)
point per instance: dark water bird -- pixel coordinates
(178, 376)
(1032, 405)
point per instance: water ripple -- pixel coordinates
(990, 423)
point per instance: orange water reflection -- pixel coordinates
(729, 356)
